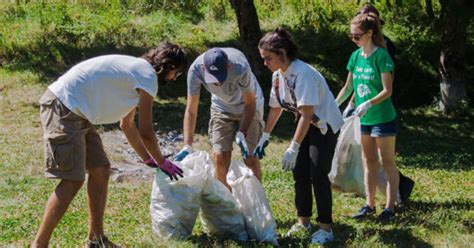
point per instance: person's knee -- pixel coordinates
(71, 185)
(252, 162)
(222, 159)
(388, 163)
(102, 172)
(371, 163)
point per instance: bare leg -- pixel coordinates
(370, 159)
(222, 160)
(303, 220)
(97, 197)
(254, 164)
(386, 146)
(55, 208)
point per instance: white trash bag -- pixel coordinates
(253, 203)
(347, 170)
(175, 204)
(221, 215)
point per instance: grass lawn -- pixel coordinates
(436, 152)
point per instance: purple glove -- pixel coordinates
(167, 167)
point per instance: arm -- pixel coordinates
(272, 119)
(145, 127)
(386, 92)
(190, 117)
(249, 110)
(387, 82)
(346, 90)
(303, 124)
(131, 132)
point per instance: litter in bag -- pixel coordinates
(347, 169)
(220, 212)
(253, 203)
(175, 204)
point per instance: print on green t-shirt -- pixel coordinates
(367, 82)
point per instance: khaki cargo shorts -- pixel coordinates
(224, 126)
(71, 143)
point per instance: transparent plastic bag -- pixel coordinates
(175, 204)
(220, 212)
(253, 203)
(347, 169)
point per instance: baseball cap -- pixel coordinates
(215, 62)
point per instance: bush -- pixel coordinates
(50, 38)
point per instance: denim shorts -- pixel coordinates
(380, 130)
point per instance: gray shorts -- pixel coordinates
(71, 143)
(224, 126)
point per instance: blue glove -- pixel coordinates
(240, 140)
(187, 149)
(262, 143)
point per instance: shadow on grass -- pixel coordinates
(435, 216)
(436, 142)
(401, 238)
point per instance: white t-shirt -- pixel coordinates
(227, 97)
(104, 89)
(302, 85)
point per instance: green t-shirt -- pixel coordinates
(367, 82)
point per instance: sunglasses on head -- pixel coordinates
(356, 37)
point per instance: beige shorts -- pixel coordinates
(71, 143)
(224, 126)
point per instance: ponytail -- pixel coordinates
(367, 22)
(280, 42)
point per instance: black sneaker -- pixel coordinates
(387, 215)
(406, 187)
(364, 212)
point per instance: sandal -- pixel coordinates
(103, 242)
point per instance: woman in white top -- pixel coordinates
(299, 88)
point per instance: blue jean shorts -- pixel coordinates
(380, 130)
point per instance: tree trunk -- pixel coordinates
(250, 32)
(429, 9)
(455, 15)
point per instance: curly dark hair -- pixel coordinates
(165, 57)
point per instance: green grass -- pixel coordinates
(436, 152)
(37, 43)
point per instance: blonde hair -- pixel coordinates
(369, 21)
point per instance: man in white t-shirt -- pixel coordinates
(236, 107)
(101, 90)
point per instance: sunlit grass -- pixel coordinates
(440, 213)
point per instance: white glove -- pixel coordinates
(289, 158)
(240, 140)
(262, 143)
(187, 149)
(348, 110)
(362, 109)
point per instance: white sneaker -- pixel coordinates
(322, 237)
(298, 228)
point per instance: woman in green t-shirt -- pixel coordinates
(370, 74)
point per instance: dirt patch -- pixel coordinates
(126, 164)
